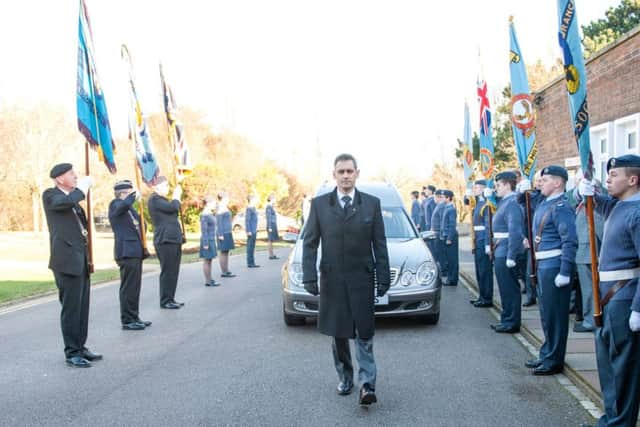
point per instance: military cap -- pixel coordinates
(480, 182)
(439, 193)
(555, 170)
(626, 161)
(447, 193)
(60, 169)
(432, 188)
(125, 184)
(506, 175)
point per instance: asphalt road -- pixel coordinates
(228, 359)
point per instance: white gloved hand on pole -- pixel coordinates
(84, 184)
(487, 192)
(561, 280)
(524, 185)
(468, 192)
(586, 188)
(177, 193)
(634, 321)
(487, 249)
(510, 263)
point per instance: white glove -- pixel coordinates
(586, 188)
(511, 263)
(561, 280)
(525, 243)
(468, 192)
(487, 249)
(487, 192)
(138, 194)
(524, 185)
(177, 193)
(634, 321)
(84, 184)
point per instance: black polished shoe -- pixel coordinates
(506, 330)
(473, 301)
(78, 362)
(480, 304)
(495, 325)
(345, 388)
(367, 395)
(543, 370)
(133, 326)
(529, 303)
(253, 266)
(274, 257)
(533, 363)
(181, 304)
(146, 323)
(227, 274)
(91, 356)
(171, 306)
(578, 327)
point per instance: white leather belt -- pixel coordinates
(609, 276)
(478, 228)
(548, 254)
(501, 235)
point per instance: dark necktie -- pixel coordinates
(347, 204)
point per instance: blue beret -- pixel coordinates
(123, 185)
(481, 182)
(506, 175)
(626, 161)
(60, 169)
(439, 192)
(555, 170)
(447, 193)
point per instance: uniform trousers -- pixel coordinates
(73, 293)
(130, 280)
(618, 357)
(531, 291)
(169, 255)
(484, 273)
(251, 247)
(553, 303)
(510, 296)
(453, 265)
(586, 291)
(364, 356)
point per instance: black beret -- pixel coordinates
(59, 169)
(447, 193)
(626, 161)
(555, 170)
(506, 175)
(123, 185)
(439, 192)
(432, 188)
(481, 182)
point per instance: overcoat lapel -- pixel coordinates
(336, 209)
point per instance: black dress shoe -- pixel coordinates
(78, 362)
(91, 356)
(529, 303)
(274, 257)
(483, 304)
(171, 306)
(543, 370)
(578, 327)
(253, 266)
(495, 325)
(227, 274)
(506, 330)
(181, 304)
(133, 326)
(345, 388)
(533, 363)
(367, 395)
(473, 301)
(146, 323)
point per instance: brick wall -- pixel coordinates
(613, 91)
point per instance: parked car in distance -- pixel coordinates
(415, 283)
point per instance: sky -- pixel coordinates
(383, 80)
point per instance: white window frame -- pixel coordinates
(596, 133)
(622, 128)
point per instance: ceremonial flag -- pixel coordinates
(522, 112)
(576, 79)
(487, 165)
(182, 160)
(139, 131)
(467, 153)
(93, 120)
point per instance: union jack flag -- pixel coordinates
(485, 108)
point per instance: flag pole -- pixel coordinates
(143, 229)
(89, 211)
(595, 278)
(532, 255)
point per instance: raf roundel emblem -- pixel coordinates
(522, 112)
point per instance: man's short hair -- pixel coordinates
(345, 157)
(415, 194)
(633, 171)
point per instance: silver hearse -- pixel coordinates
(415, 282)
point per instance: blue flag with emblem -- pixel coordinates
(487, 165)
(93, 120)
(522, 111)
(467, 153)
(576, 79)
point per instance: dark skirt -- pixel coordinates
(226, 244)
(273, 235)
(209, 253)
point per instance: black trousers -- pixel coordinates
(169, 255)
(73, 293)
(130, 281)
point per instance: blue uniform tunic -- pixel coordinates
(484, 270)
(450, 234)
(617, 347)
(416, 213)
(272, 223)
(436, 244)
(251, 227)
(429, 206)
(208, 236)
(223, 221)
(423, 219)
(555, 245)
(507, 236)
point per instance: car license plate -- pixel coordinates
(383, 300)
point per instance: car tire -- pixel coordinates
(291, 320)
(429, 319)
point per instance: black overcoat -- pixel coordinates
(354, 247)
(164, 217)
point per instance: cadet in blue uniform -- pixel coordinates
(225, 234)
(618, 340)
(416, 212)
(208, 240)
(251, 228)
(450, 238)
(436, 224)
(555, 245)
(483, 267)
(272, 225)
(423, 202)
(507, 239)
(428, 205)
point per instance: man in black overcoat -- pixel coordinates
(68, 259)
(354, 251)
(167, 239)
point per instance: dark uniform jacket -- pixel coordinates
(164, 216)
(354, 248)
(67, 243)
(127, 242)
